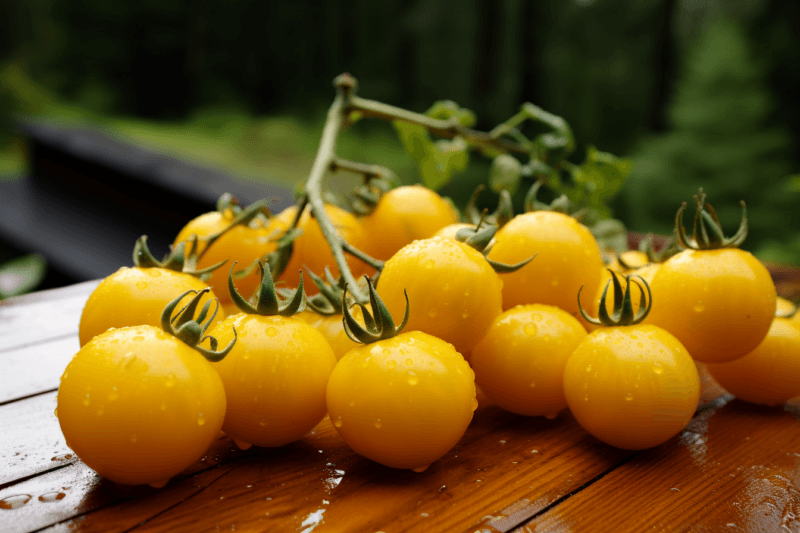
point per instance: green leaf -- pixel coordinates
(793, 183)
(21, 275)
(414, 138)
(505, 174)
(598, 179)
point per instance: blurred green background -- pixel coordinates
(694, 92)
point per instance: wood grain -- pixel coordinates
(735, 468)
(28, 320)
(35, 369)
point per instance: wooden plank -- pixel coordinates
(36, 368)
(30, 441)
(35, 318)
(735, 468)
(503, 459)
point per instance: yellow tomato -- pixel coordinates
(449, 231)
(404, 401)
(136, 296)
(404, 215)
(332, 328)
(139, 406)
(568, 259)
(275, 378)
(311, 249)
(633, 387)
(520, 361)
(718, 303)
(453, 291)
(770, 374)
(243, 244)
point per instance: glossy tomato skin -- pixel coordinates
(311, 249)
(453, 292)
(520, 361)
(718, 303)
(275, 378)
(139, 406)
(403, 402)
(403, 215)
(569, 258)
(770, 374)
(241, 244)
(632, 387)
(332, 328)
(136, 296)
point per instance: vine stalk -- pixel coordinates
(345, 103)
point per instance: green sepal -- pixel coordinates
(707, 231)
(502, 214)
(228, 201)
(378, 325)
(365, 197)
(481, 239)
(622, 313)
(267, 301)
(177, 260)
(329, 300)
(279, 258)
(190, 330)
(561, 204)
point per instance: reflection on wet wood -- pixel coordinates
(735, 464)
(735, 468)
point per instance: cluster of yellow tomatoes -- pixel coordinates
(138, 404)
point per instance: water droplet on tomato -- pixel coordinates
(551, 416)
(272, 331)
(465, 314)
(56, 412)
(432, 312)
(113, 395)
(640, 345)
(338, 422)
(142, 285)
(409, 361)
(263, 422)
(201, 420)
(699, 307)
(296, 335)
(629, 397)
(420, 469)
(378, 424)
(134, 438)
(530, 329)
(413, 379)
(154, 272)
(554, 282)
(52, 497)
(658, 369)
(163, 406)
(14, 502)
(474, 403)
(391, 364)
(430, 263)
(446, 287)
(588, 368)
(86, 401)
(586, 398)
(159, 484)
(533, 384)
(170, 381)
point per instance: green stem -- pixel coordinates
(443, 128)
(326, 155)
(365, 169)
(377, 264)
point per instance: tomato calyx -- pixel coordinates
(378, 325)
(707, 230)
(481, 238)
(622, 314)
(330, 298)
(177, 260)
(267, 301)
(365, 198)
(502, 214)
(561, 204)
(190, 330)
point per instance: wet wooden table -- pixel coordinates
(736, 467)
